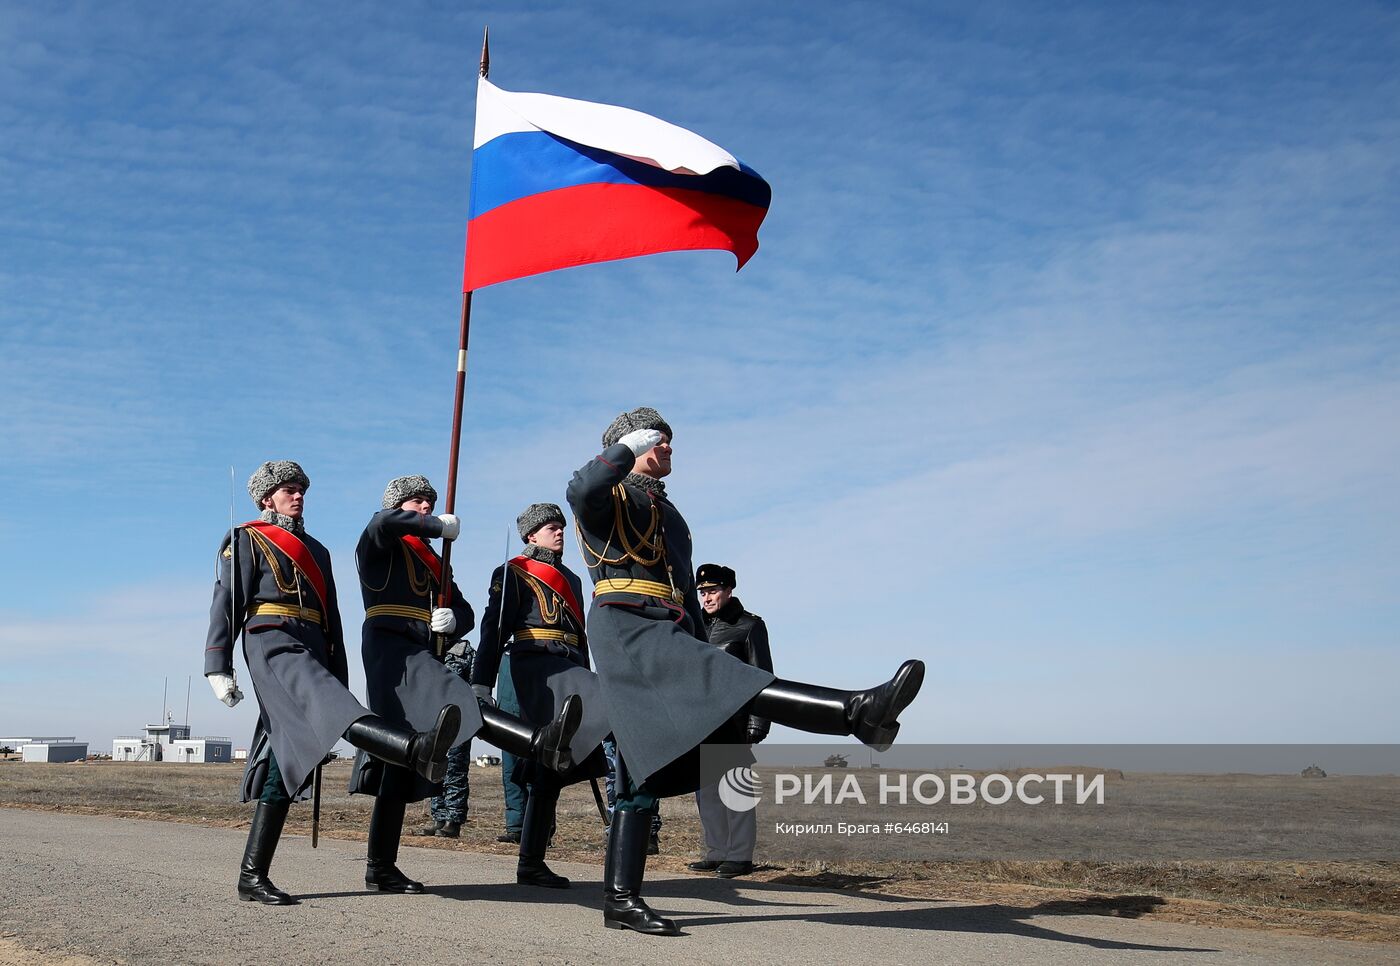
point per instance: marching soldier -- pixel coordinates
(535, 605)
(275, 583)
(730, 835)
(403, 643)
(667, 689)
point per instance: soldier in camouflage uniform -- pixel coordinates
(275, 583)
(449, 807)
(667, 689)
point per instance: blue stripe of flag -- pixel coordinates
(524, 163)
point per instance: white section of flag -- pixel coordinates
(620, 130)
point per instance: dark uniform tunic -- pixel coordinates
(548, 649)
(295, 651)
(667, 690)
(405, 680)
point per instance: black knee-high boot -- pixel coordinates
(534, 840)
(422, 751)
(385, 828)
(623, 907)
(548, 745)
(871, 715)
(263, 835)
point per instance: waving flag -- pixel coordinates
(558, 182)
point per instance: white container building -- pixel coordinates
(172, 742)
(129, 748)
(208, 749)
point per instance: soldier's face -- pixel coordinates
(655, 462)
(550, 536)
(287, 499)
(418, 504)
(713, 598)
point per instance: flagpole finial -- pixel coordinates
(485, 51)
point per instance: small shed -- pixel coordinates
(53, 750)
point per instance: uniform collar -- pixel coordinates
(731, 611)
(650, 484)
(543, 554)
(291, 524)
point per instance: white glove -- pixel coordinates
(451, 526)
(483, 694)
(443, 622)
(225, 688)
(641, 440)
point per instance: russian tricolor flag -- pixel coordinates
(558, 182)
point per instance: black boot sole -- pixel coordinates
(663, 928)
(904, 688)
(444, 736)
(526, 879)
(395, 888)
(555, 753)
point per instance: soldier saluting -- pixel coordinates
(667, 689)
(276, 584)
(403, 645)
(534, 612)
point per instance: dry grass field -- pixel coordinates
(1350, 900)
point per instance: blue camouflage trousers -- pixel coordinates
(451, 805)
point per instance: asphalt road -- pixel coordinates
(131, 891)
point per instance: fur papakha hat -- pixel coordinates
(402, 488)
(537, 515)
(271, 475)
(643, 417)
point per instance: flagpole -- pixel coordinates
(450, 505)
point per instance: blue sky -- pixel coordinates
(1068, 362)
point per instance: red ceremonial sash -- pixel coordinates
(425, 553)
(297, 552)
(552, 579)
